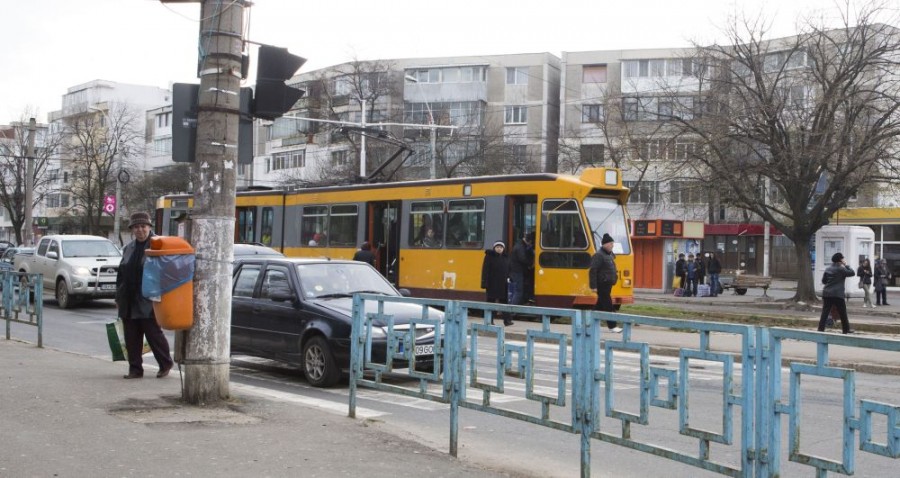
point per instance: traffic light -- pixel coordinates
(184, 121)
(184, 124)
(273, 97)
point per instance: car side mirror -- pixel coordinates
(52, 255)
(281, 295)
(405, 292)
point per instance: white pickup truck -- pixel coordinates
(75, 267)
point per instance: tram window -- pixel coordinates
(313, 226)
(606, 215)
(561, 227)
(565, 260)
(172, 230)
(426, 224)
(342, 230)
(268, 219)
(465, 224)
(246, 219)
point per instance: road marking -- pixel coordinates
(325, 405)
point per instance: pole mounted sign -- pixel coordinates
(109, 205)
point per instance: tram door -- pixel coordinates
(522, 220)
(383, 233)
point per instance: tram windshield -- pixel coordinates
(606, 215)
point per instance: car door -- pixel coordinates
(276, 314)
(245, 282)
(47, 265)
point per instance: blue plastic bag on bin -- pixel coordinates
(165, 273)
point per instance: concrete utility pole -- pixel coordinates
(207, 343)
(28, 227)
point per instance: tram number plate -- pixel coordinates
(425, 349)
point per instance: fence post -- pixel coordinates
(584, 362)
(455, 373)
(765, 428)
(355, 350)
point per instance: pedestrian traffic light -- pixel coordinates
(273, 97)
(185, 98)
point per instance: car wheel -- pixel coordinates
(62, 295)
(318, 363)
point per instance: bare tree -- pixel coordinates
(791, 129)
(96, 142)
(141, 193)
(337, 94)
(13, 168)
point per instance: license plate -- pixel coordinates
(427, 349)
(107, 287)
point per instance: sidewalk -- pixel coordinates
(755, 309)
(70, 415)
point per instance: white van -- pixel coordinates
(856, 243)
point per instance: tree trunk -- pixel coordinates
(805, 286)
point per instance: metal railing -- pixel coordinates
(22, 301)
(585, 397)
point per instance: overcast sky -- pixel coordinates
(51, 45)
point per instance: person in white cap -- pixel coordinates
(603, 276)
(494, 277)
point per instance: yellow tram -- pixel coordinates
(430, 236)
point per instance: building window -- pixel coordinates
(516, 114)
(287, 160)
(592, 153)
(643, 192)
(517, 75)
(686, 192)
(57, 200)
(592, 113)
(163, 120)
(162, 146)
(593, 74)
(340, 158)
(518, 153)
(630, 108)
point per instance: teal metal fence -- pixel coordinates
(22, 301)
(582, 360)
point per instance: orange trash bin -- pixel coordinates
(175, 309)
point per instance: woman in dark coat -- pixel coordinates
(494, 275)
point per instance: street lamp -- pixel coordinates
(118, 159)
(415, 80)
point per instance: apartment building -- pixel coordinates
(491, 113)
(619, 108)
(107, 105)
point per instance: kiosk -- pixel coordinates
(856, 243)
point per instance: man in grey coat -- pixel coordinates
(833, 293)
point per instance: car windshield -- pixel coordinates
(89, 249)
(336, 279)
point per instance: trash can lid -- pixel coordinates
(168, 246)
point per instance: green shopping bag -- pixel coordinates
(115, 334)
